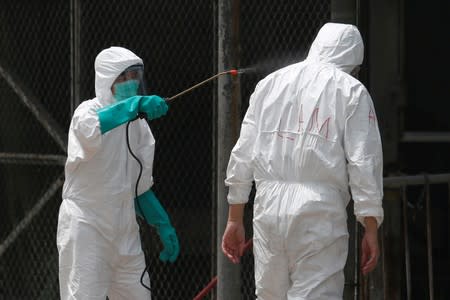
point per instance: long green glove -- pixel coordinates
(126, 110)
(148, 207)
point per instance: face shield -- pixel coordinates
(129, 83)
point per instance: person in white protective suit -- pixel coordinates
(309, 135)
(98, 240)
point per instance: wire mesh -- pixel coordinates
(177, 41)
(35, 41)
(276, 34)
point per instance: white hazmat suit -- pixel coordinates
(309, 134)
(98, 237)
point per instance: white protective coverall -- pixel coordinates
(309, 134)
(98, 237)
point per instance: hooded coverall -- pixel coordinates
(309, 134)
(98, 238)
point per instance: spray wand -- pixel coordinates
(232, 72)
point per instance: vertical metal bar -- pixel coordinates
(214, 174)
(343, 11)
(429, 239)
(448, 220)
(357, 13)
(406, 240)
(383, 261)
(74, 55)
(356, 258)
(401, 39)
(229, 282)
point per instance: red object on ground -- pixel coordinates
(213, 281)
(207, 289)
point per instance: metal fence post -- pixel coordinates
(406, 242)
(344, 11)
(229, 282)
(429, 238)
(74, 54)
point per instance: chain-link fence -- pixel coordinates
(46, 69)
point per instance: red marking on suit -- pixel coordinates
(372, 116)
(314, 124)
(313, 127)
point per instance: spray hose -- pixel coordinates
(232, 72)
(248, 245)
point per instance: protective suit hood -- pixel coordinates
(338, 44)
(109, 63)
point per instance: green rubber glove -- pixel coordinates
(148, 207)
(126, 110)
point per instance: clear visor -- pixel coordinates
(129, 83)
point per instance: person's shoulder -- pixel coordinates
(281, 75)
(347, 81)
(288, 70)
(86, 109)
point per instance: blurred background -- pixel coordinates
(47, 51)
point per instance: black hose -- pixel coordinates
(139, 204)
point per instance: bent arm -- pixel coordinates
(126, 110)
(240, 168)
(363, 150)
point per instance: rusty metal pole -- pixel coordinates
(228, 124)
(74, 55)
(406, 241)
(429, 239)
